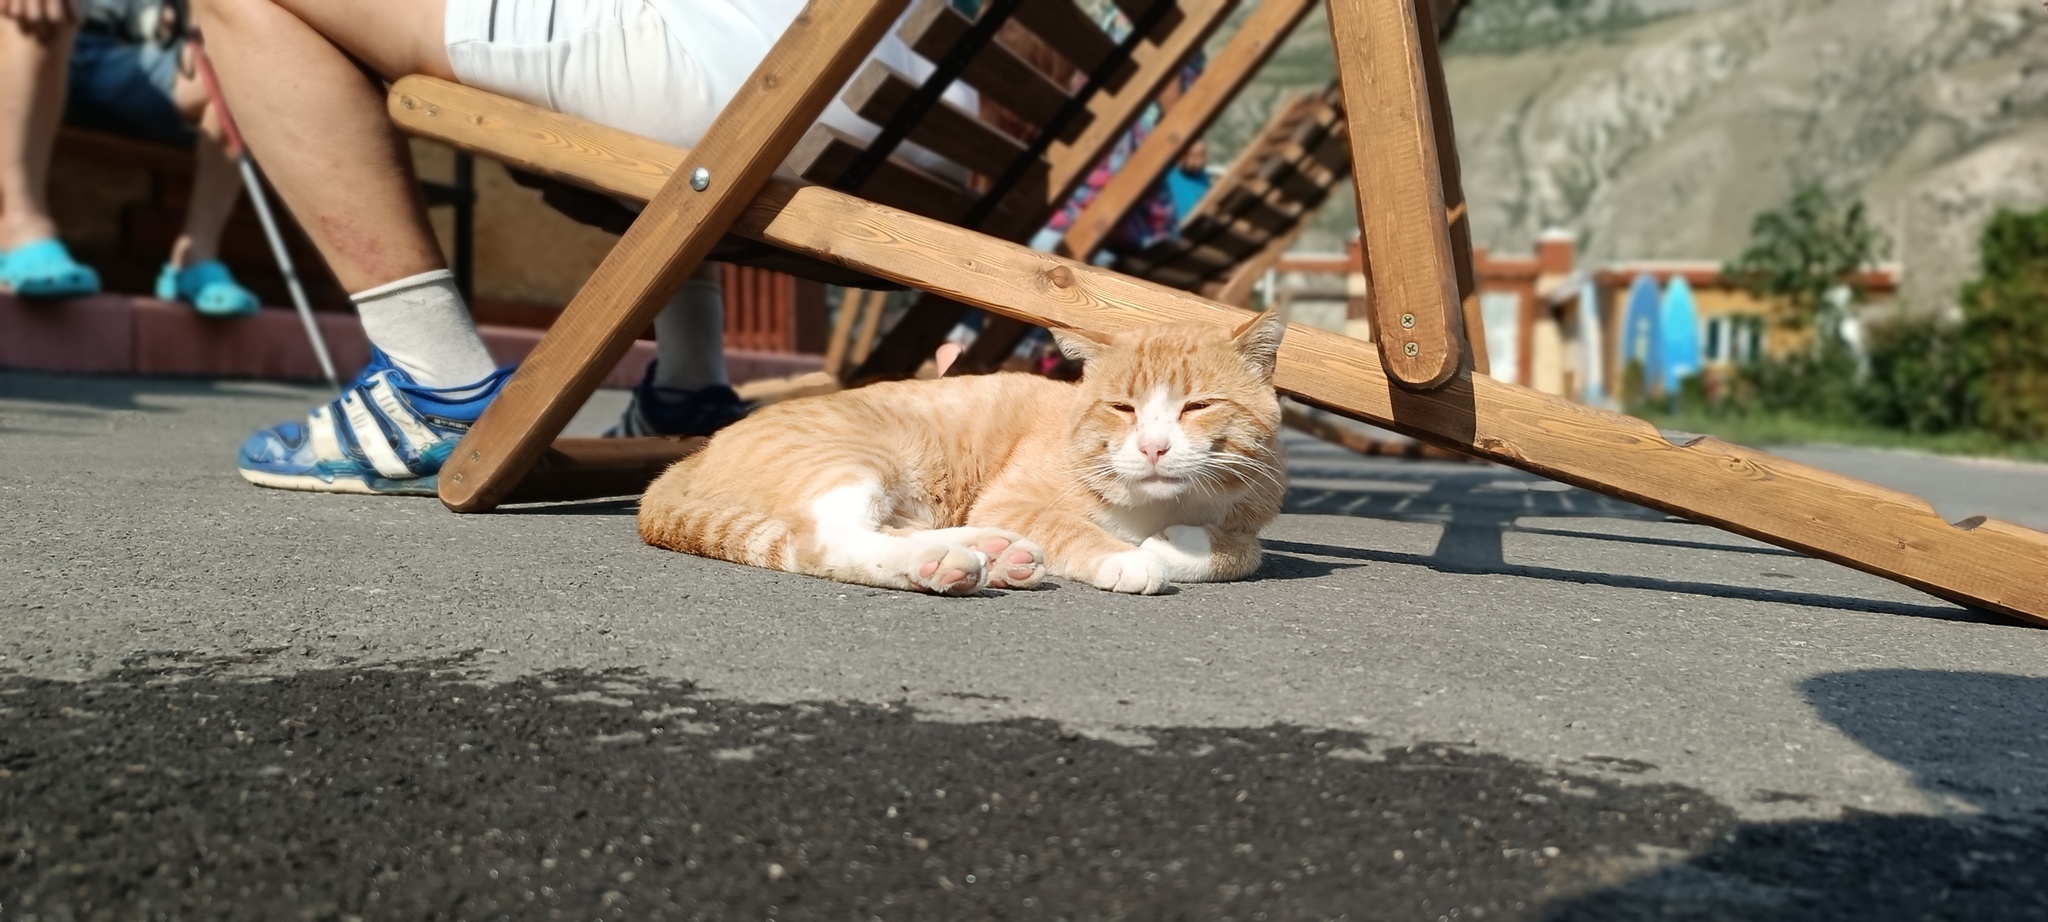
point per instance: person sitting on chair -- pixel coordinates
(120, 66)
(658, 68)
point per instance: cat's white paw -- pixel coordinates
(1014, 561)
(948, 569)
(1138, 571)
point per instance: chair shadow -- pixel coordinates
(1976, 742)
(1477, 509)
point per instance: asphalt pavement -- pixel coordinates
(1453, 692)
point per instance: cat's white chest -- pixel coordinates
(1136, 523)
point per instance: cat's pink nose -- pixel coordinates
(1153, 451)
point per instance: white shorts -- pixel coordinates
(662, 69)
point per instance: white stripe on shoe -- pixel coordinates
(371, 439)
(320, 428)
(417, 436)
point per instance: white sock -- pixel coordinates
(689, 337)
(422, 324)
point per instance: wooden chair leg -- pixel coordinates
(851, 301)
(1457, 215)
(782, 99)
(998, 340)
(1399, 179)
(870, 327)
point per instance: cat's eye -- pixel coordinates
(1123, 408)
(1194, 405)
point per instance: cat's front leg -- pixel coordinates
(1079, 549)
(1204, 554)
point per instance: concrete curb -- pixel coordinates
(122, 335)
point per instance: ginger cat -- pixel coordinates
(1160, 465)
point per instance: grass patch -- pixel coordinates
(1767, 429)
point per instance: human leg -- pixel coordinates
(194, 272)
(32, 74)
(33, 60)
(685, 391)
(316, 122)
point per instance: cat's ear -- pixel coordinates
(1076, 346)
(1258, 342)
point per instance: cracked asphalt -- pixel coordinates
(1454, 691)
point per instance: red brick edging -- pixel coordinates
(122, 335)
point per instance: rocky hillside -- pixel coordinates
(1659, 128)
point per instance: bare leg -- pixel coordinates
(315, 121)
(32, 76)
(216, 186)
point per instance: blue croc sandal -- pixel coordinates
(45, 269)
(384, 434)
(208, 288)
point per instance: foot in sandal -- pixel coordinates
(45, 269)
(208, 287)
(385, 434)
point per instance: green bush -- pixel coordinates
(2005, 327)
(1919, 378)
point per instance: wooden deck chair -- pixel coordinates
(1415, 380)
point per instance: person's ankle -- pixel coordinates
(185, 254)
(19, 231)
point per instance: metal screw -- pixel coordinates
(458, 476)
(476, 456)
(405, 101)
(700, 179)
(1412, 349)
(1407, 321)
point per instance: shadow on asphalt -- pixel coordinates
(182, 788)
(1970, 739)
(177, 789)
(1477, 509)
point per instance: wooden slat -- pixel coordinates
(781, 99)
(1400, 188)
(825, 153)
(1235, 287)
(1068, 30)
(879, 92)
(870, 325)
(1992, 564)
(1221, 80)
(996, 72)
(913, 338)
(1114, 112)
(1453, 185)
(842, 331)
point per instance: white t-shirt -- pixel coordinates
(659, 68)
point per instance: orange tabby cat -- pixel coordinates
(1160, 465)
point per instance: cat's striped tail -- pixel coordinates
(672, 519)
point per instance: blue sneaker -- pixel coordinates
(208, 287)
(384, 434)
(45, 269)
(671, 411)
